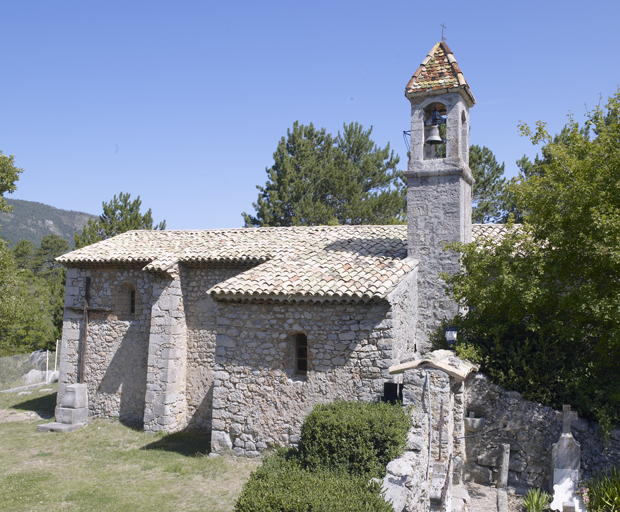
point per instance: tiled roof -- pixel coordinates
(438, 71)
(293, 263)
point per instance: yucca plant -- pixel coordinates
(536, 500)
(604, 491)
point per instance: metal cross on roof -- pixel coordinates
(442, 29)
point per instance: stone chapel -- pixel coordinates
(239, 332)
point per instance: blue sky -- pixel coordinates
(183, 103)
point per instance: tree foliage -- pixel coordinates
(9, 174)
(318, 179)
(119, 215)
(36, 295)
(543, 305)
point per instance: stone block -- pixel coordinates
(59, 427)
(220, 441)
(70, 416)
(219, 425)
(347, 336)
(76, 396)
(171, 353)
(161, 410)
(415, 443)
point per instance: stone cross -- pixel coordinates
(84, 309)
(442, 29)
(567, 418)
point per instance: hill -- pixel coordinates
(33, 221)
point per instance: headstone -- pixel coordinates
(564, 497)
(565, 464)
(72, 412)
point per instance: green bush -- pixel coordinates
(357, 437)
(343, 445)
(282, 484)
(602, 492)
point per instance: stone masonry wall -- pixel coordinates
(411, 483)
(258, 401)
(166, 402)
(530, 429)
(404, 301)
(117, 349)
(200, 316)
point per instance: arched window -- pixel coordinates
(301, 354)
(127, 302)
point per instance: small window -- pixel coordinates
(301, 354)
(127, 302)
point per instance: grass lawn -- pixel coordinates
(107, 466)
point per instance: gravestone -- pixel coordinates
(72, 412)
(565, 464)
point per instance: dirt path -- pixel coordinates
(482, 498)
(9, 415)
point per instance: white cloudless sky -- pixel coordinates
(183, 103)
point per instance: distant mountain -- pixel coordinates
(33, 221)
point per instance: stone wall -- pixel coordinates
(117, 349)
(165, 406)
(259, 401)
(404, 301)
(530, 429)
(411, 483)
(200, 316)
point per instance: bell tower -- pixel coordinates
(438, 188)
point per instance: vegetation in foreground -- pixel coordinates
(343, 446)
(542, 305)
(108, 467)
(602, 492)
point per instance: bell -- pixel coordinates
(433, 136)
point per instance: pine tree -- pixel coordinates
(119, 215)
(318, 179)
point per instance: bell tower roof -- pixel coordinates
(439, 73)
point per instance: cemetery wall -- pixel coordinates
(259, 401)
(530, 429)
(117, 341)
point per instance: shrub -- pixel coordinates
(602, 492)
(357, 437)
(282, 484)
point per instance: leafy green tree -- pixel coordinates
(38, 291)
(9, 305)
(543, 304)
(9, 174)
(318, 179)
(119, 215)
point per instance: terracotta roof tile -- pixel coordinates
(294, 263)
(439, 70)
